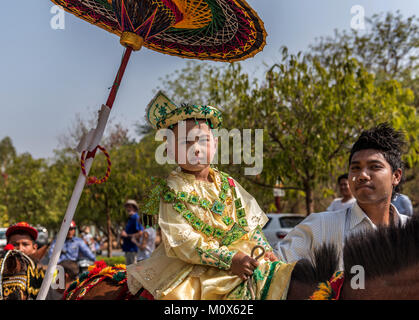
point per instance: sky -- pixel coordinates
(49, 76)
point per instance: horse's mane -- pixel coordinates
(385, 251)
(323, 263)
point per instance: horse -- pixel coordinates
(20, 278)
(388, 258)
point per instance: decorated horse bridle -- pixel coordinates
(22, 281)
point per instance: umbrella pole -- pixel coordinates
(81, 181)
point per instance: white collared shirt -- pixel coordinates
(325, 227)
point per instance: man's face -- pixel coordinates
(371, 179)
(71, 233)
(194, 147)
(344, 189)
(130, 209)
(23, 243)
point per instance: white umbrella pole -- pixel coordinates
(94, 137)
(89, 143)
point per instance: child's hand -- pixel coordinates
(242, 265)
(270, 256)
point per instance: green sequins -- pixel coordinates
(220, 258)
(243, 222)
(208, 230)
(258, 236)
(227, 220)
(240, 213)
(181, 198)
(218, 207)
(204, 203)
(179, 207)
(169, 196)
(235, 233)
(193, 199)
(182, 195)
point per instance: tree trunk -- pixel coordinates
(108, 222)
(309, 199)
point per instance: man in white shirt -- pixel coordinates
(347, 200)
(375, 171)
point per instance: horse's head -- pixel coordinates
(17, 272)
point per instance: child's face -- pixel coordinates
(195, 145)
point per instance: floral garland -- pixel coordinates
(96, 273)
(329, 290)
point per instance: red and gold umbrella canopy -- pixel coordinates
(220, 30)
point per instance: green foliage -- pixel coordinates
(38, 191)
(312, 107)
(112, 261)
(388, 48)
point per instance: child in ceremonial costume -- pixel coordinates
(209, 223)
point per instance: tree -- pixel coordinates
(388, 48)
(310, 114)
(7, 155)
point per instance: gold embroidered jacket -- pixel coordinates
(185, 250)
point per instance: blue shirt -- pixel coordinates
(73, 249)
(403, 204)
(133, 226)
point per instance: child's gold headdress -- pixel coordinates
(163, 113)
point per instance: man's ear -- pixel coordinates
(397, 176)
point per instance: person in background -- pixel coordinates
(87, 236)
(22, 236)
(403, 204)
(74, 248)
(375, 172)
(132, 227)
(98, 245)
(347, 200)
(146, 242)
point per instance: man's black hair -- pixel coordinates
(388, 141)
(22, 233)
(343, 176)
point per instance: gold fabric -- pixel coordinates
(175, 269)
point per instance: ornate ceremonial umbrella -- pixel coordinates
(218, 30)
